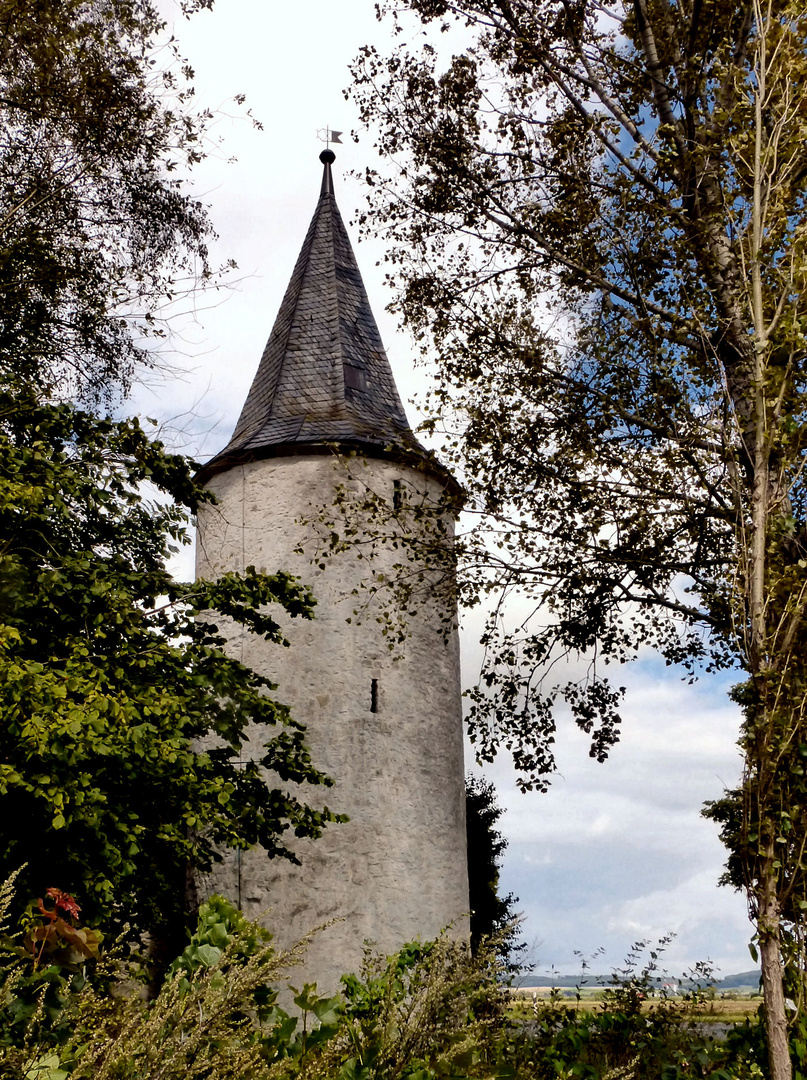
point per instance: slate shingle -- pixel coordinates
(324, 376)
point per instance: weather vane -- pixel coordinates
(328, 136)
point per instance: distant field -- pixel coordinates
(721, 1009)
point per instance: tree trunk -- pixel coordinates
(768, 923)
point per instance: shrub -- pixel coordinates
(431, 1011)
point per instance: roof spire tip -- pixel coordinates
(327, 157)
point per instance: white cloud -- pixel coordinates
(602, 826)
(619, 851)
(695, 912)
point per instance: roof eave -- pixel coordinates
(414, 456)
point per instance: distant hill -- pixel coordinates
(564, 982)
(744, 978)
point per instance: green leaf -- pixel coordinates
(207, 955)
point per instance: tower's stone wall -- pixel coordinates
(398, 869)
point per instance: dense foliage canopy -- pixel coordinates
(109, 679)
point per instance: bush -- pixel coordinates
(431, 1011)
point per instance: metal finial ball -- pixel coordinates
(327, 157)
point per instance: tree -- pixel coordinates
(596, 224)
(491, 915)
(98, 231)
(111, 672)
(109, 679)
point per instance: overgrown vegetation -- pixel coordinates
(430, 1011)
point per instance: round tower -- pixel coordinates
(323, 421)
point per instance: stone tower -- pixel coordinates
(324, 412)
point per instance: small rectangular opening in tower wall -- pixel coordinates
(397, 495)
(373, 695)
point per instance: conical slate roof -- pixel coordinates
(324, 377)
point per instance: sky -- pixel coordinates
(615, 852)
